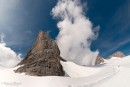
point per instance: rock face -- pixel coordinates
(118, 54)
(43, 59)
(99, 60)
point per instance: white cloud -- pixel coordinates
(2, 38)
(76, 32)
(8, 58)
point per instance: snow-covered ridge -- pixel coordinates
(111, 74)
(74, 70)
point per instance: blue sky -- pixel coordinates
(113, 16)
(21, 20)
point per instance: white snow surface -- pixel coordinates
(114, 73)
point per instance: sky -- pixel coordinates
(21, 20)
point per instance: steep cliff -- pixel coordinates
(43, 59)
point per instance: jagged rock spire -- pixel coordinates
(43, 59)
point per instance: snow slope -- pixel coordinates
(111, 74)
(122, 78)
(74, 70)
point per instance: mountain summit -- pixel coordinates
(43, 59)
(118, 54)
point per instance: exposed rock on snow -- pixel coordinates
(43, 59)
(99, 60)
(118, 54)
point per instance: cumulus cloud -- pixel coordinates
(8, 58)
(76, 33)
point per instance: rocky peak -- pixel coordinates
(118, 54)
(99, 59)
(43, 58)
(41, 41)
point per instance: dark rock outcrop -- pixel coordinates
(118, 54)
(99, 60)
(43, 59)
